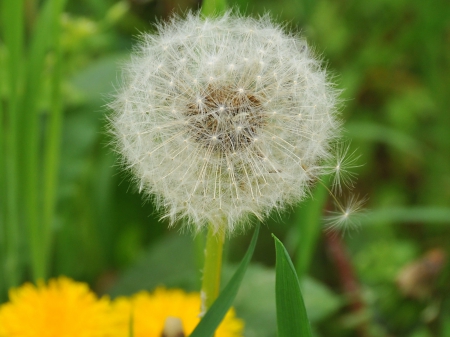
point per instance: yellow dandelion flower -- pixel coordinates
(63, 308)
(152, 313)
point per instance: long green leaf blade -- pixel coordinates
(220, 307)
(44, 35)
(52, 143)
(292, 319)
(308, 220)
(11, 21)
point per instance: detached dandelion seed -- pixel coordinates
(344, 162)
(348, 216)
(222, 118)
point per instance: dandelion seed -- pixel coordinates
(247, 128)
(348, 216)
(344, 162)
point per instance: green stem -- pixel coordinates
(2, 200)
(42, 40)
(52, 150)
(13, 36)
(31, 160)
(212, 267)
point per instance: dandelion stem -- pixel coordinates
(212, 267)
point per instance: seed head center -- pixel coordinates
(225, 120)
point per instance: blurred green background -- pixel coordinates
(61, 187)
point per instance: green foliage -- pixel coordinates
(67, 208)
(309, 218)
(292, 319)
(210, 7)
(171, 261)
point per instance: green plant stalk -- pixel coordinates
(199, 248)
(212, 7)
(212, 267)
(13, 37)
(46, 21)
(308, 219)
(31, 149)
(53, 142)
(2, 200)
(220, 307)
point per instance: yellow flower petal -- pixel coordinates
(63, 308)
(149, 313)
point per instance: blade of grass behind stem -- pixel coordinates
(2, 188)
(46, 21)
(308, 219)
(12, 19)
(213, 7)
(220, 307)
(53, 141)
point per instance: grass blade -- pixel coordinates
(42, 39)
(216, 313)
(2, 188)
(13, 33)
(308, 221)
(52, 144)
(292, 319)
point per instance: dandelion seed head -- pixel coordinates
(224, 118)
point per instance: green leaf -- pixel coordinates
(292, 319)
(216, 313)
(255, 301)
(212, 7)
(44, 37)
(12, 29)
